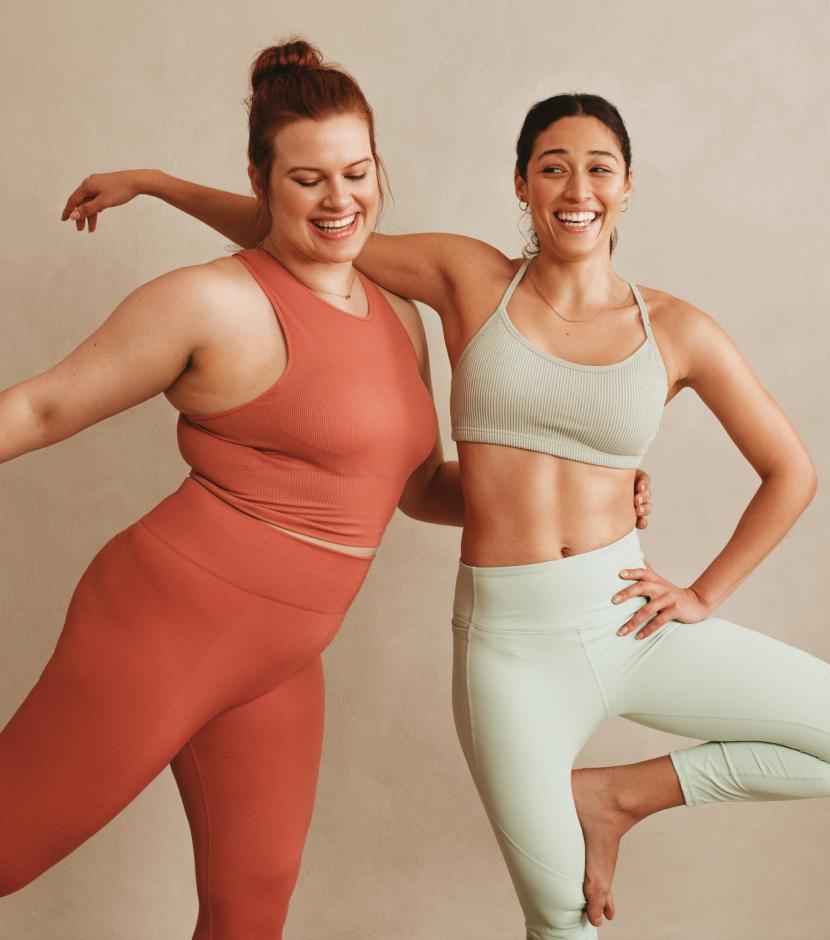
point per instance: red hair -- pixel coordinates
(290, 82)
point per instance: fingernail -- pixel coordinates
(74, 214)
(616, 599)
(622, 631)
(624, 574)
(640, 636)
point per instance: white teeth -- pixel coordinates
(335, 223)
(576, 216)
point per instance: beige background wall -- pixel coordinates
(730, 211)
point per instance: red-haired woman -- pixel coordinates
(561, 369)
(194, 637)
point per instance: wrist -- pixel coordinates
(708, 603)
(153, 183)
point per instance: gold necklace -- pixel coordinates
(558, 314)
(314, 290)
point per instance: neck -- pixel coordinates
(330, 277)
(574, 284)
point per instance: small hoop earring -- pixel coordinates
(525, 206)
(625, 207)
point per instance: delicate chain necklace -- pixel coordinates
(558, 314)
(315, 290)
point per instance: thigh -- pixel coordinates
(247, 781)
(138, 668)
(716, 680)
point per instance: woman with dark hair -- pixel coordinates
(194, 636)
(560, 373)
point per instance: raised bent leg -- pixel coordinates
(248, 780)
(763, 705)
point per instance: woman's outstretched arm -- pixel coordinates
(232, 215)
(430, 267)
(140, 350)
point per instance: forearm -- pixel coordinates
(777, 503)
(440, 500)
(232, 215)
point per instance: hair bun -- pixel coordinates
(292, 56)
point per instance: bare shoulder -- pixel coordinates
(218, 296)
(677, 320)
(691, 342)
(411, 319)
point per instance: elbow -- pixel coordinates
(800, 474)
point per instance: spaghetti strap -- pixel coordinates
(643, 309)
(511, 287)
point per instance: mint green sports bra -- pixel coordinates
(505, 390)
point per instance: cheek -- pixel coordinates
(293, 203)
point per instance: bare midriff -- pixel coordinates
(523, 507)
(359, 551)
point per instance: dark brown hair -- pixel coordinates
(544, 113)
(290, 82)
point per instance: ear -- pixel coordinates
(256, 181)
(519, 185)
(629, 183)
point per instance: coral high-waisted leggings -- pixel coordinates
(539, 666)
(192, 639)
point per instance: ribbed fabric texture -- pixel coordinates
(506, 390)
(327, 449)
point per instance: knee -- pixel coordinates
(248, 905)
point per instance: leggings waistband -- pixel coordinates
(570, 592)
(253, 555)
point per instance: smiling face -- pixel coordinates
(323, 189)
(576, 183)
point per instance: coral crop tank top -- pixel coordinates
(327, 449)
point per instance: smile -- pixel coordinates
(336, 228)
(576, 221)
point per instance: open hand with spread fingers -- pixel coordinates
(666, 601)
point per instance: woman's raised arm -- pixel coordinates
(430, 267)
(232, 215)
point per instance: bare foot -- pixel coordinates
(604, 822)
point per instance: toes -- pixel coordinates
(598, 898)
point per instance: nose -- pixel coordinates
(337, 195)
(578, 188)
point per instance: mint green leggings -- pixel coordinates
(538, 667)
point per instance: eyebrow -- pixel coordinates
(316, 169)
(598, 153)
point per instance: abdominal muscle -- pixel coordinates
(523, 507)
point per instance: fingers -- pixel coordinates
(74, 200)
(86, 212)
(659, 621)
(610, 908)
(644, 613)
